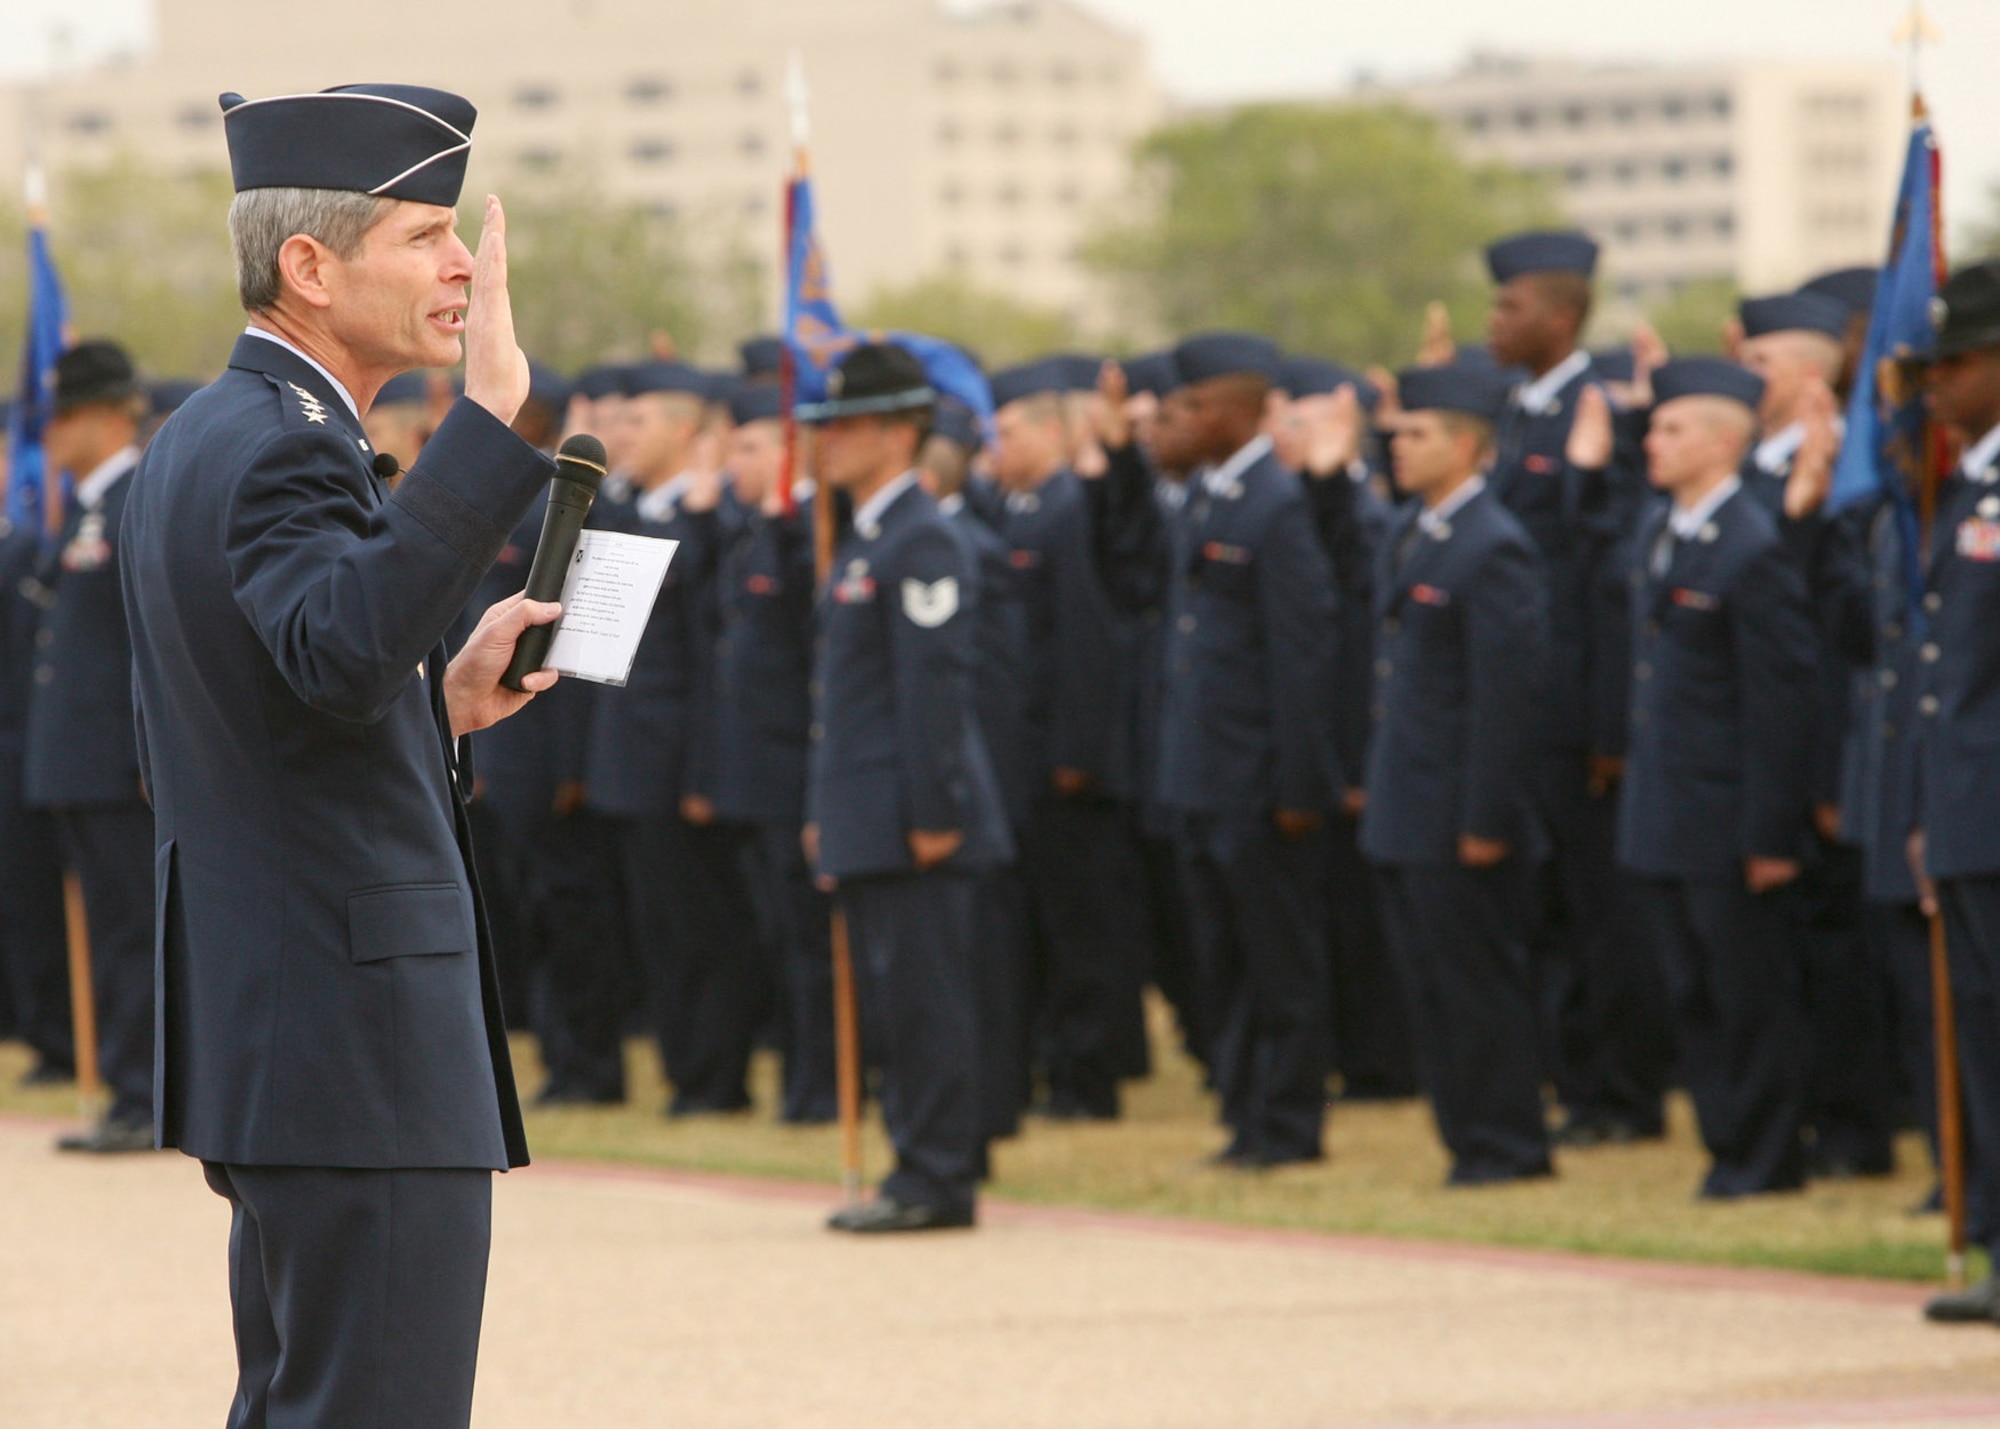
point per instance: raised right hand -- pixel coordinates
(496, 370)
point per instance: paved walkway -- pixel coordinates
(637, 1298)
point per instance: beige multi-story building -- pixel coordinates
(1760, 173)
(981, 144)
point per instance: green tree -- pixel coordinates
(999, 329)
(1327, 229)
(1693, 319)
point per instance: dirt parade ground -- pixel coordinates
(637, 1297)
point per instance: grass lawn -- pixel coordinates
(1383, 1175)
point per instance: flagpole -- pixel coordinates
(846, 1008)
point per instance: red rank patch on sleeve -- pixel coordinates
(1429, 595)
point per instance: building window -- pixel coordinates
(1013, 254)
(1631, 290)
(1526, 119)
(88, 121)
(664, 208)
(749, 84)
(540, 158)
(1720, 106)
(945, 72)
(1625, 112)
(1065, 135)
(1724, 225)
(1009, 195)
(756, 206)
(1673, 109)
(649, 89)
(1476, 121)
(956, 256)
(949, 133)
(1673, 170)
(1577, 175)
(650, 151)
(1675, 227)
(536, 96)
(1063, 76)
(1722, 165)
(1007, 133)
(751, 145)
(1625, 171)
(1628, 230)
(951, 195)
(1069, 195)
(1576, 116)
(197, 116)
(1003, 74)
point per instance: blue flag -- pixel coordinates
(47, 316)
(818, 338)
(1886, 447)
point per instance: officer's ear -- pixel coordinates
(305, 270)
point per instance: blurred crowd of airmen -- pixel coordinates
(1520, 728)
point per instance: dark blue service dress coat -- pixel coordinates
(326, 986)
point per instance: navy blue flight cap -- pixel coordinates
(607, 379)
(644, 377)
(403, 387)
(1853, 286)
(1707, 377)
(1076, 371)
(1793, 312)
(1966, 311)
(956, 423)
(1152, 372)
(762, 356)
(1030, 379)
(166, 395)
(547, 386)
(391, 140)
(1613, 364)
(1566, 251)
(756, 402)
(1321, 377)
(1454, 387)
(1226, 354)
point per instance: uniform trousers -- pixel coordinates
(1001, 961)
(1461, 942)
(1901, 937)
(1257, 910)
(33, 955)
(111, 849)
(1372, 1050)
(1608, 1043)
(1852, 1110)
(1733, 969)
(1167, 939)
(554, 867)
(801, 917)
(1075, 861)
(356, 1295)
(914, 941)
(693, 931)
(1971, 908)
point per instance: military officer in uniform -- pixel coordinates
(1713, 822)
(331, 1039)
(1462, 637)
(903, 810)
(1247, 761)
(1955, 846)
(81, 759)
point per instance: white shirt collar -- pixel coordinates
(1433, 519)
(1536, 398)
(1687, 524)
(1221, 480)
(951, 505)
(91, 490)
(345, 395)
(1982, 456)
(868, 520)
(1776, 451)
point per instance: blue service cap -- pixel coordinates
(1793, 312)
(167, 394)
(1226, 354)
(403, 387)
(1613, 364)
(1152, 372)
(1030, 379)
(762, 356)
(1562, 251)
(607, 379)
(1076, 371)
(1475, 389)
(398, 141)
(644, 377)
(547, 386)
(756, 402)
(1320, 377)
(1707, 377)
(1854, 287)
(957, 423)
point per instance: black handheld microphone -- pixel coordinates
(579, 468)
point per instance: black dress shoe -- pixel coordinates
(1463, 1177)
(110, 1136)
(577, 1096)
(1931, 1205)
(680, 1108)
(886, 1216)
(1976, 1304)
(1580, 1133)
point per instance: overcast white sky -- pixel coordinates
(1230, 49)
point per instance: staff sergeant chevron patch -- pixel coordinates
(930, 605)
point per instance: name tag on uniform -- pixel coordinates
(1430, 595)
(761, 585)
(1024, 560)
(1696, 600)
(855, 590)
(87, 550)
(1540, 465)
(1979, 540)
(1226, 554)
